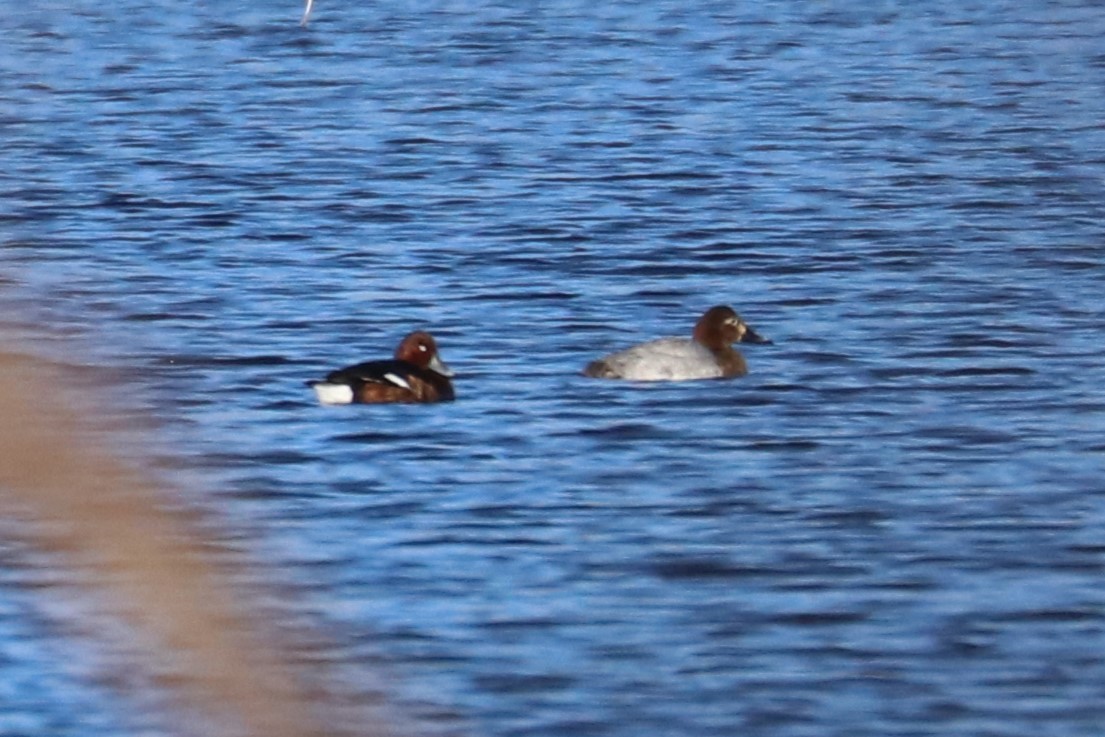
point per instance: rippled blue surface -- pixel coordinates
(892, 526)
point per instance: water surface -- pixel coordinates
(892, 526)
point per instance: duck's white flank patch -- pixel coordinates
(397, 380)
(334, 393)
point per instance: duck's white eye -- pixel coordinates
(423, 347)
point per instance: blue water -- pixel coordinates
(892, 526)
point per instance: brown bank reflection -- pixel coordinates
(57, 466)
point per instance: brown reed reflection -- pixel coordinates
(58, 466)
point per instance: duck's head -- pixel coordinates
(721, 326)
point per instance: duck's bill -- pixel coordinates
(438, 366)
(751, 336)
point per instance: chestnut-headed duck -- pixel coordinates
(416, 374)
(708, 354)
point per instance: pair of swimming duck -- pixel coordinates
(417, 373)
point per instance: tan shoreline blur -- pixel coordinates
(57, 466)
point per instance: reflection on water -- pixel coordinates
(91, 515)
(891, 525)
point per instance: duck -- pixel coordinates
(707, 354)
(416, 375)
